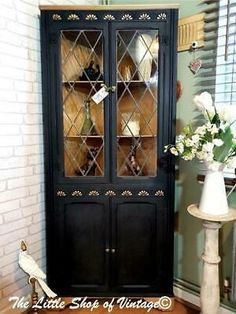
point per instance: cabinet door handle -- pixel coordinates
(107, 250)
(113, 251)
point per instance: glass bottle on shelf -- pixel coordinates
(88, 127)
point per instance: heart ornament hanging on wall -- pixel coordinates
(195, 65)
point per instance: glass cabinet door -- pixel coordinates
(137, 102)
(83, 120)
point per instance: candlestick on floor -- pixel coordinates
(210, 292)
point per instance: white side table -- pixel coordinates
(210, 291)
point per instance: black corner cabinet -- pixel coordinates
(109, 185)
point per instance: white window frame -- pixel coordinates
(225, 89)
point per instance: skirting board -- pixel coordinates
(194, 298)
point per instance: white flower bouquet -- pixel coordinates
(213, 142)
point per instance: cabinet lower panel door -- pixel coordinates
(135, 241)
(85, 242)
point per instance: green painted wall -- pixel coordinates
(189, 237)
(187, 7)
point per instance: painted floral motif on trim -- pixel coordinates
(144, 17)
(61, 193)
(161, 16)
(56, 17)
(73, 17)
(91, 17)
(93, 193)
(126, 193)
(159, 193)
(110, 193)
(109, 17)
(143, 193)
(76, 193)
(127, 17)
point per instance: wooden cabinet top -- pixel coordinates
(109, 7)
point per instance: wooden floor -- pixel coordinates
(179, 308)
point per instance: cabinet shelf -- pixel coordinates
(138, 136)
(119, 82)
(84, 136)
(83, 86)
(81, 82)
(118, 136)
(135, 81)
(136, 85)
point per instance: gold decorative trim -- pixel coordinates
(143, 193)
(161, 16)
(73, 17)
(144, 17)
(127, 17)
(76, 193)
(56, 17)
(91, 17)
(159, 193)
(61, 193)
(126, 193)
(93, 193)
(109, 17)
(110, 193)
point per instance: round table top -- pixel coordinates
(194, 211)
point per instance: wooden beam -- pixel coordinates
(191, 29)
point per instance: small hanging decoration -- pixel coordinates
(196, 63)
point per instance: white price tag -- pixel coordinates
(100, 95)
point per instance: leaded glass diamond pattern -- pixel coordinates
(139, 50)
(83, 120)
(137, 81)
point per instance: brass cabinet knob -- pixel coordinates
(107, 250)
(113, 250)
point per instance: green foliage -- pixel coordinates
(223, 152)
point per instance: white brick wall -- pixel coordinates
(21, 142)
